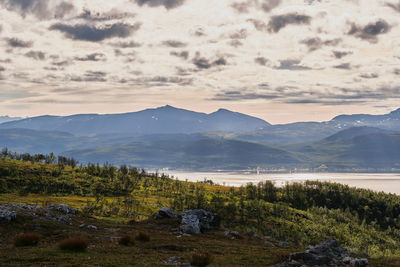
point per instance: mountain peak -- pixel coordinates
(395, 112)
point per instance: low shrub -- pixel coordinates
(27, 239)
(126, 240)
(142, 237)
(201, 259)
(77, 244)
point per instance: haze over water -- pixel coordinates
(386, 182)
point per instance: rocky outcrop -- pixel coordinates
(7, 215)
(63, 208)
(164, 213)
(328, 253)
(196, 221)
(9, 212)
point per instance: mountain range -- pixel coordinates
(178, 138)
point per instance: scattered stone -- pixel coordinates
(63, 208)
(328, 253)
(177, 261)
(164, 213)
(82, 225)
(92, 227)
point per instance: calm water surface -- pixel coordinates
(387, 182)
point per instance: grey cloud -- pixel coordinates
(370, 31)
(182, 54)
(113, 14)
(90, 76)
(261, 61)
(394, 6)
(258, 24)
(343, 66)
(38, 55)
(7, 60)
(2, 68)
(235, 43)
(1, 28)
(61, 63)
(39, 8)
(92, 57)
(268, 5)
(94, 34)
(291, 64)
(130, 44)
(281, 21)
(316, 43)
(289, 94)
(238, 96)
(18, 43)
(168, 4)
(396, 71)
(240, 34)
(204, 63)
(174, 43)
(340, 54)
(63, 9)
(369, 75)
(242, 7)
(162, 81)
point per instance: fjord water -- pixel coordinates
(386, 182)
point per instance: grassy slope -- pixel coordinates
(310, 226)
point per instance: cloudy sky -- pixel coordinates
(281, 60)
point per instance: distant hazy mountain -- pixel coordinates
(301, 132)
(203, 154)
(165, 119)
(358, 147)
(7, 119)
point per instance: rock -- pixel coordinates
(190, 224)
(164, 213)
(327, 253)
(92, 227)
(7, 215)
(195, 221)
(269, 244)
(232, 234)
(62, 208)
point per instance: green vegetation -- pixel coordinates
(303, 214)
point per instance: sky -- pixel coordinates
(280, 60)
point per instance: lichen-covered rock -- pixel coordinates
(196, 221)
(328, 253)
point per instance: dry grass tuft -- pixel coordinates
(77, 244)
(201, 259)
(142, 237)
(126, 240)
(27, 239)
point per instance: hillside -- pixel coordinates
(358, 147)
(114, 202)
(206, 154)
